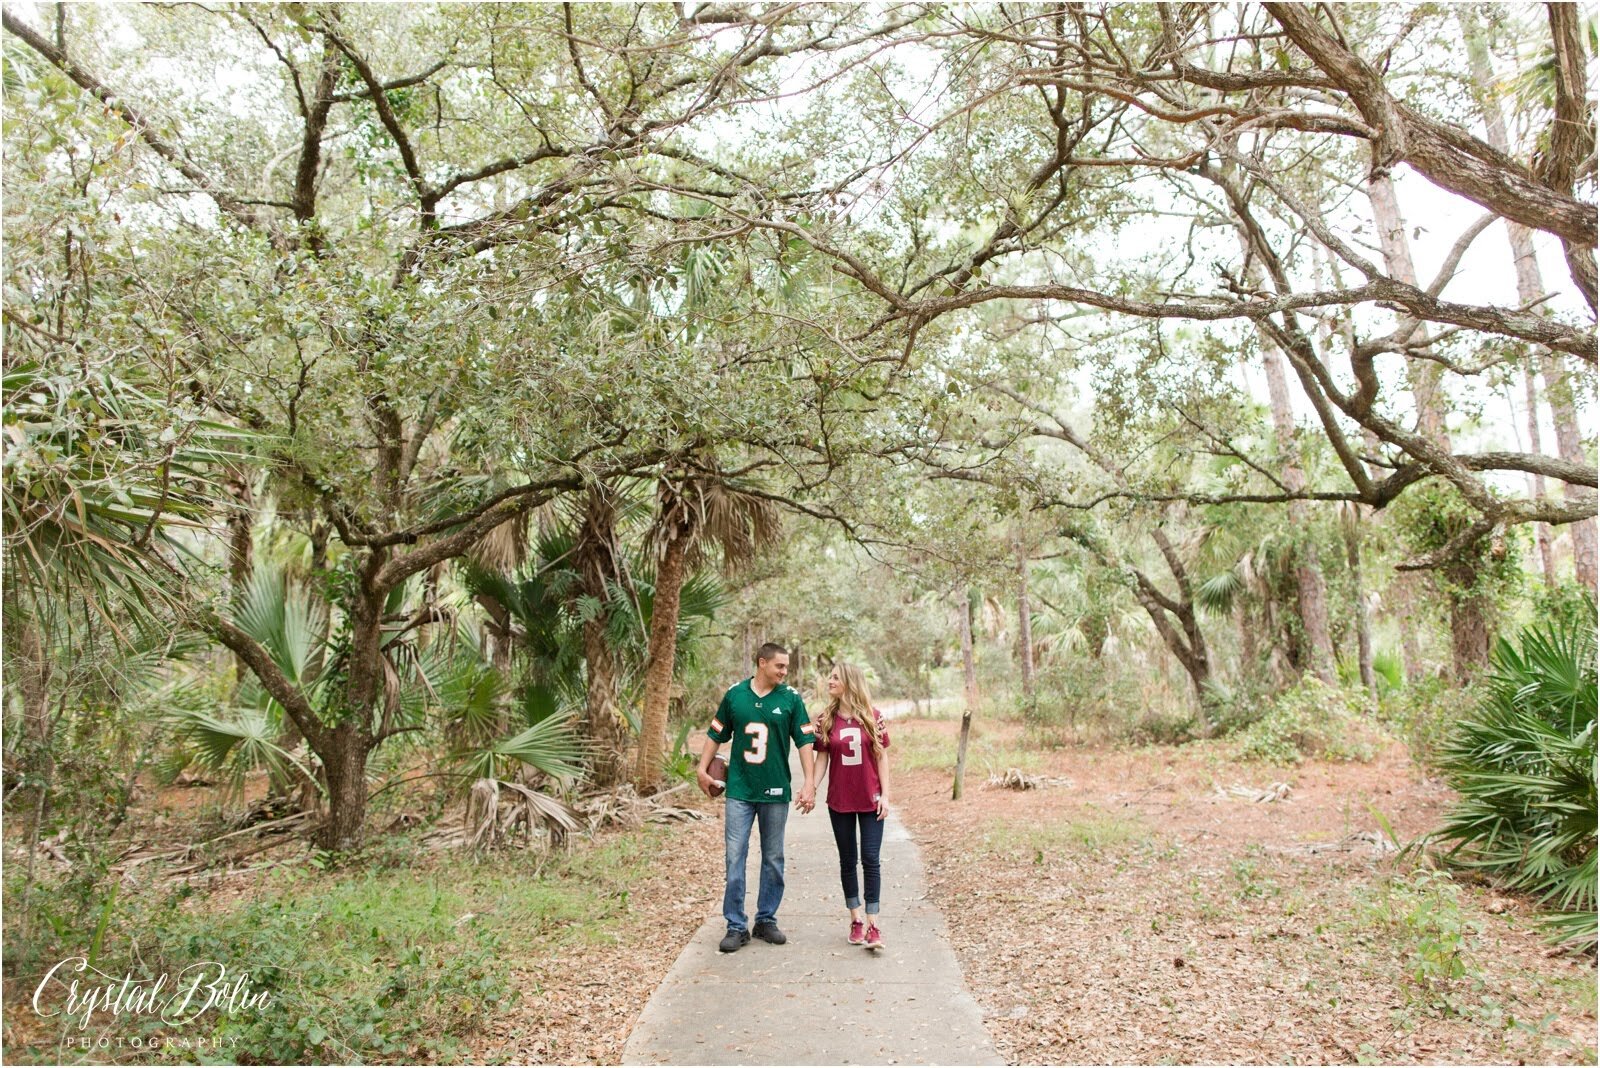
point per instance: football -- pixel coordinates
(718, 770)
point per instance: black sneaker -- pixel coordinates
(732, 941)
(768, 932)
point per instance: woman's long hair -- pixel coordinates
(854, 701)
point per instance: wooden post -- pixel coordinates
(970, 677)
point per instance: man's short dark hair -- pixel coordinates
(770, 650)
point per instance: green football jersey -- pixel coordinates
(761, 729)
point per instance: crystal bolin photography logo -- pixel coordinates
(73, 989)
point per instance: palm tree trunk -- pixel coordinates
(595, 555)
(658, 671)
(603, 722)
(1350, 525)
(241, 553)
(1024, 626)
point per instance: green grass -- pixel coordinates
(926, 750)
(1091, 833)
(376, 962)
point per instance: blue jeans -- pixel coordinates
(844, 836)
(738, 818)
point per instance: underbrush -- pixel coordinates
(371, 962)
(1311, 720)
(988, 750)
(1422, 714)
(1421, 911)
(1524, 764)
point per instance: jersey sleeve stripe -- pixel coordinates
(716, 725)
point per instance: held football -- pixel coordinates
(718, 770)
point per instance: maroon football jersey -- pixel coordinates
(852, 774)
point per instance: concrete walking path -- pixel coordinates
(818, 999)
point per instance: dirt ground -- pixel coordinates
(579, 1003)
(1134, 908)
(1137, 910)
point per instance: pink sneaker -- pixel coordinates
(874, 939)
(858, 933)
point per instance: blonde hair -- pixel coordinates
(854, 701)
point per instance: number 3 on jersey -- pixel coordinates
(850, 736)
(757, 753)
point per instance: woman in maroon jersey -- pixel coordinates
(850, 733)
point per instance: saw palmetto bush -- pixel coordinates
(1524, 764)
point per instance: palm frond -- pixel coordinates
(1524, 765)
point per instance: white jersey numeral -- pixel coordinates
(851, 737)
(757, 753)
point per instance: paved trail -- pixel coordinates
(818, 999)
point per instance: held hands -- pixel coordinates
(806, 800)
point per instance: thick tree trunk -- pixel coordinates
(1469, 627)
(1197, 666)
(603, 721)
(344, 749)
(658, 672)
(604, 725)
(969, 679)
(1311, 592)
(346, 765)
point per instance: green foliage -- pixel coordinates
(392, 961)
(1424, 713)
(1424, 910)
(550, 745)
(1092, 832)
(1525, 765)
(96, 467)
(680, 761)
(1312, 721)
(1431, 516)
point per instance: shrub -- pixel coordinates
(1524, 765)
(1311, 719)
(1424, 910)
(1423, 714)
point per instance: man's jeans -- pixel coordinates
(737, 820)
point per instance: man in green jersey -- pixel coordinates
(761, 716)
